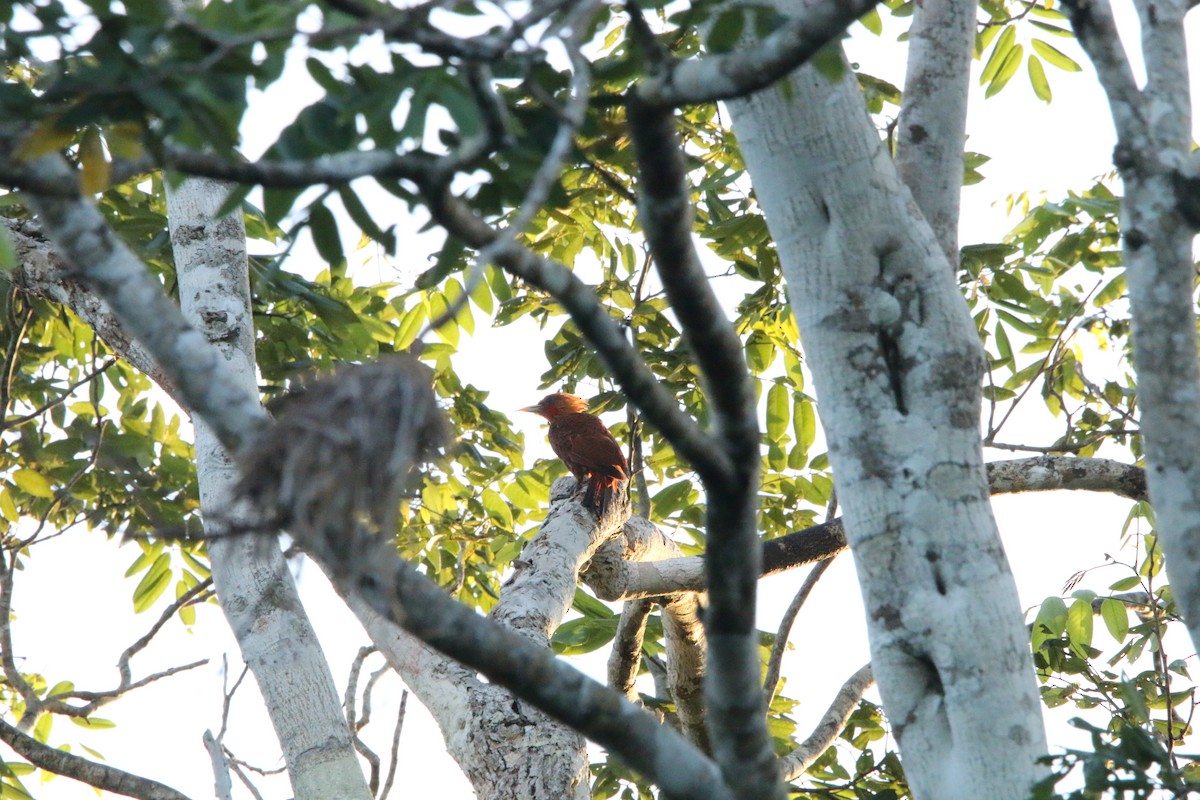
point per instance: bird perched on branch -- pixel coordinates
(586, 447)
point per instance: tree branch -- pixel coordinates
(746, 70)
(933, 114)
(736, 713)
(406, 598)
(1158, 227)
(833, 723)
(101, 776)
(626, 655)
(42, 272)
(775, 660)
(102, 260)
(615, 578)
(642, 542)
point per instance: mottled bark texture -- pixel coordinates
(897, 364)
(1159, 221)
(256, 590)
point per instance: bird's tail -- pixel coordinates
(602, 491)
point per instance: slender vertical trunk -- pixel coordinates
(258, 595)
(933, 113)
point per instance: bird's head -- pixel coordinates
(558, 403)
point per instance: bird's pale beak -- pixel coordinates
(532, 410)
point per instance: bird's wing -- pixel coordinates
(586, 446)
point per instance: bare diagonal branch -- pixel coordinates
(796, 762)
(101, 776)
(101, 259)
(531, 671)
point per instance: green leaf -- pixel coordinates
(325, 235)
(583, 635)
(33, 482)
(1055, 56)
(410, 326)
(496, 508)
(672, 498)
(41, 729)
(153, 584)
(1116, 617)
(778, 411)
(94, 723)
(62, 687)
(1113, 290)
(1000, 52)
(872, 22)
(726, 30)
(8, 253)
(95, 171)
(1125, 584)
(7, 507)
(1008, 68)
(363, 219)
(525, 492)
(829, 62)
(187, 614)
(1079, 623)
(804, 421)
(1050, 622)
(1037, 79)
(760, 352)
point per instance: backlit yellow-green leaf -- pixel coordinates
(7, 507)
(46, 138)
(778, 411)
(999, 53)
(95, 170)
(1054, 56)
(1116, 617)
(1037, 79)
(1008, 68)
(33, 482)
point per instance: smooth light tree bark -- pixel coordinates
(933, 114)
(256, 590)
(897, 362)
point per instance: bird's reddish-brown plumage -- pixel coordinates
(586, 447)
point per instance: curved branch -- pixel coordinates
(101, 776)
(775, 660)
(659, 408)
(736, 716)
(1047, 473)
(626, 654)
(335, 168)
(796, 762)
(721, 77)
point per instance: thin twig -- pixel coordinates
(775, 661)
(391, 775)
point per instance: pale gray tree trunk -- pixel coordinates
(257, 594)
(933, 114)
(897, 364)
(1160, 215)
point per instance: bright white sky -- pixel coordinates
(73, 611)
